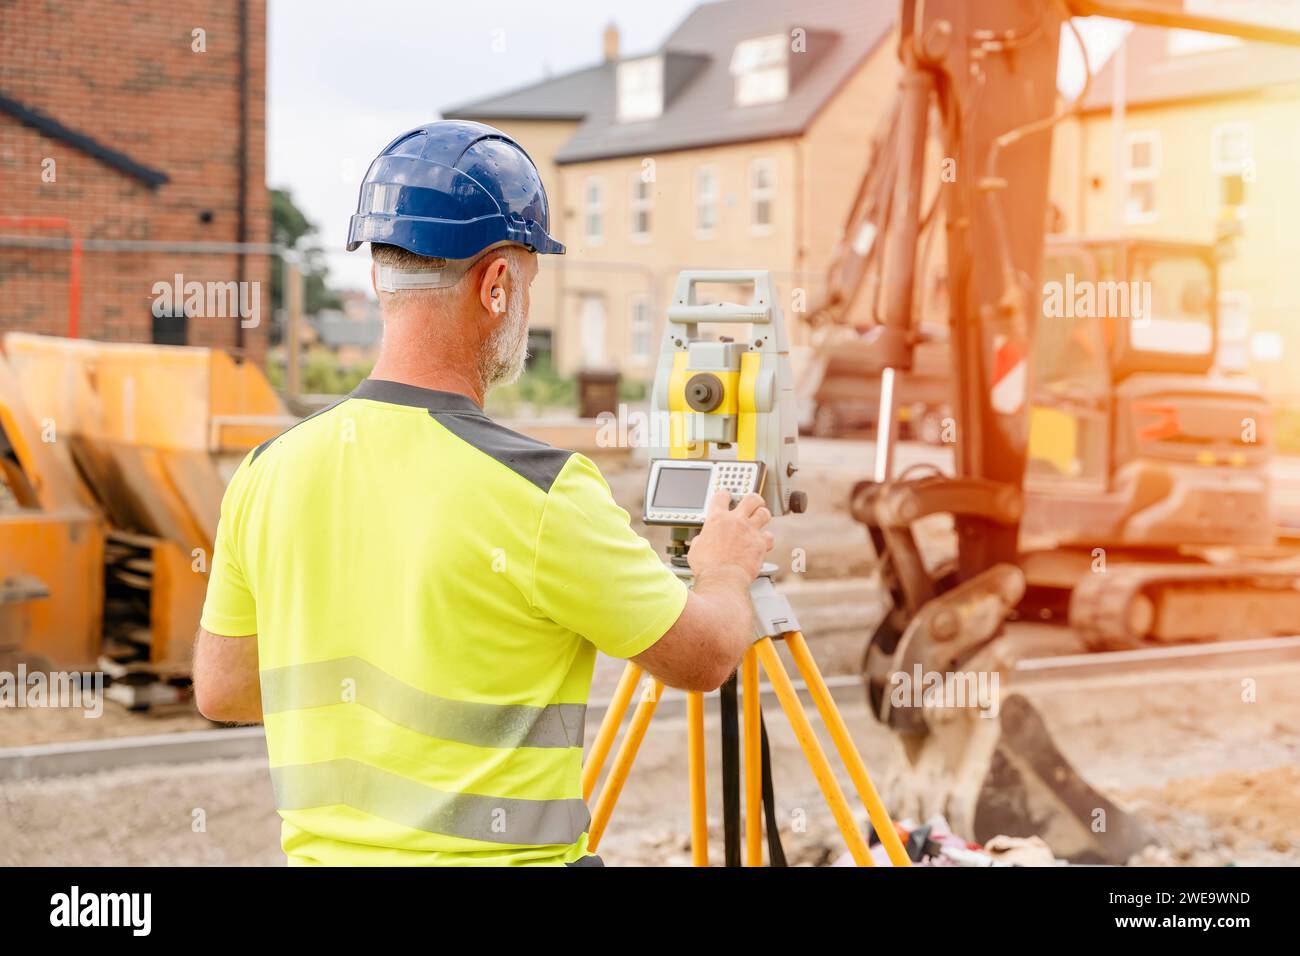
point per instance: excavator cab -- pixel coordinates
(1135, 440)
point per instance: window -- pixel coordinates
(594, 210)
(641, 330)
(591, 327)
(761, 67)
(1072, 383)
(1181, 315)
(1267, 346)
(640, 89)
(1234, 331)
(762, 187)
(706, 201)
(541, 349)
(1141, 167)
(1232, 148)
(1232, 159)
(643, 200)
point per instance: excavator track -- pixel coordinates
(1133, 605)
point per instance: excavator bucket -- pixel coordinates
(1004, 775)
(1032, 789)
(938, 670)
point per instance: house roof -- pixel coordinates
(49, 126)
(699, 89)
(336, 330)
(1153, 75)
(559, 97)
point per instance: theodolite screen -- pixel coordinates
(682, 488)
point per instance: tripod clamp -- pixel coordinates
(773, 615)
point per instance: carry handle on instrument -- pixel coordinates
(687, 310)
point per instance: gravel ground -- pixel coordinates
(218, 813)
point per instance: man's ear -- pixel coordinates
(374, 281)
(492, 287)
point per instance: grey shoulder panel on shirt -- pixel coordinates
(532, 459)
(535, 460)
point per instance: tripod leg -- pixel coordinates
(729, 721)
(776, 853)
(839, 731)
(812, 750)
(753, 761)
(695, 771)
(609, 728)
(622, 764)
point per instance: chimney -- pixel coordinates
(610, 41)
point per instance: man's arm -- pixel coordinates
(226, 685)
(702, 649)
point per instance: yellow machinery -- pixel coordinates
(115, 459)
(51, 542)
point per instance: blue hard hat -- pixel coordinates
(450, 190)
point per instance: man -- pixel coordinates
(411, 596)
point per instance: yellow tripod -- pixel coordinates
(773, 621)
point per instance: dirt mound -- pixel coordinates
(1238, 816)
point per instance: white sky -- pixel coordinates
(343, 78)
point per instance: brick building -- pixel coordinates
(141, 123)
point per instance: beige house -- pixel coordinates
(740, 143)
(1207, 134)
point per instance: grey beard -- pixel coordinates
(506, 350)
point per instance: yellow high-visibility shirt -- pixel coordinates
(428, 590)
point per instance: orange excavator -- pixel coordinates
(1094, 451)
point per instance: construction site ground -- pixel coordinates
(1213, 771)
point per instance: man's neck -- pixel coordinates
(445, 364)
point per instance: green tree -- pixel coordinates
(291, 228)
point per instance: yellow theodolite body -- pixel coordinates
(729, 398)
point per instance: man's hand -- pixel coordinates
(702, 649)
(732, 539)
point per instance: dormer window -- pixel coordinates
(640, 89)
(761, 66)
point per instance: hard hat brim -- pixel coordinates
(438, 238)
